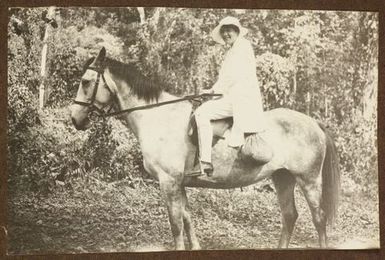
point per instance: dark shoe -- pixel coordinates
(207, 168)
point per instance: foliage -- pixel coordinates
(23, 76)
(64, 76)
(276, 74)
(63, 181)
(363, 172)
(322, 63)
(72, 48)
(174, 48)
(43, 158)
(41, 155)
(35, 137)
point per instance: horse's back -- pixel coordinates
(289, 121)
(295, 138)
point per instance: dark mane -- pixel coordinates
(142, 86)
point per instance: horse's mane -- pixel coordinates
(141, 85)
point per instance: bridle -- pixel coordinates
(103, 112)
(91, 105)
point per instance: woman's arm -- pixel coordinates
(237, 67)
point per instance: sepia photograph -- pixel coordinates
(146, 129)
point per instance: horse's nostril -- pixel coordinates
(78, 127)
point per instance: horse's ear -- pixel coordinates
(99, 60)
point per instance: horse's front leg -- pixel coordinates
(172, 193)
(188, 225)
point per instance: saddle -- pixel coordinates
(219, 128)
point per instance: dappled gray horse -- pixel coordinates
(303, 152)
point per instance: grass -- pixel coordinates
(116, 217)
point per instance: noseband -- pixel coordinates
(92, 104)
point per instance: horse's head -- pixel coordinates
(94, 94)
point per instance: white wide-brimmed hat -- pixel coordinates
(227, 21)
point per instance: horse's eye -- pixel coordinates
(85, 82)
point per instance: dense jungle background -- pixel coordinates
(71, 191)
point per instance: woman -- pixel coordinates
(241, 99)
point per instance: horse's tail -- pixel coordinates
(330, 179)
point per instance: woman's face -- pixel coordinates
(229, 34)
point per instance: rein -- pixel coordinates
(103, 113)
(189, 97)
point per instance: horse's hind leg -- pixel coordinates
(312, 189)
(188, 226)
(284, 183)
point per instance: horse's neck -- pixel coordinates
(162, 121)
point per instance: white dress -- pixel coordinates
(241, 99)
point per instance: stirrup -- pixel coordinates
(195, 171)
(200, 170)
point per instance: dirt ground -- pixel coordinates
(117, 218)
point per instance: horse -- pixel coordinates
(304, 151)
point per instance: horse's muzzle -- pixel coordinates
(79, 118)
(78, 126)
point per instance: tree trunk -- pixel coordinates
(142, 15)
(156, 15)
(43, 71)
(369, 97)
(326, 106)
(308, 101)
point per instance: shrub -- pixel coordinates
(357, 150)
(275, 74)
(53, 154)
